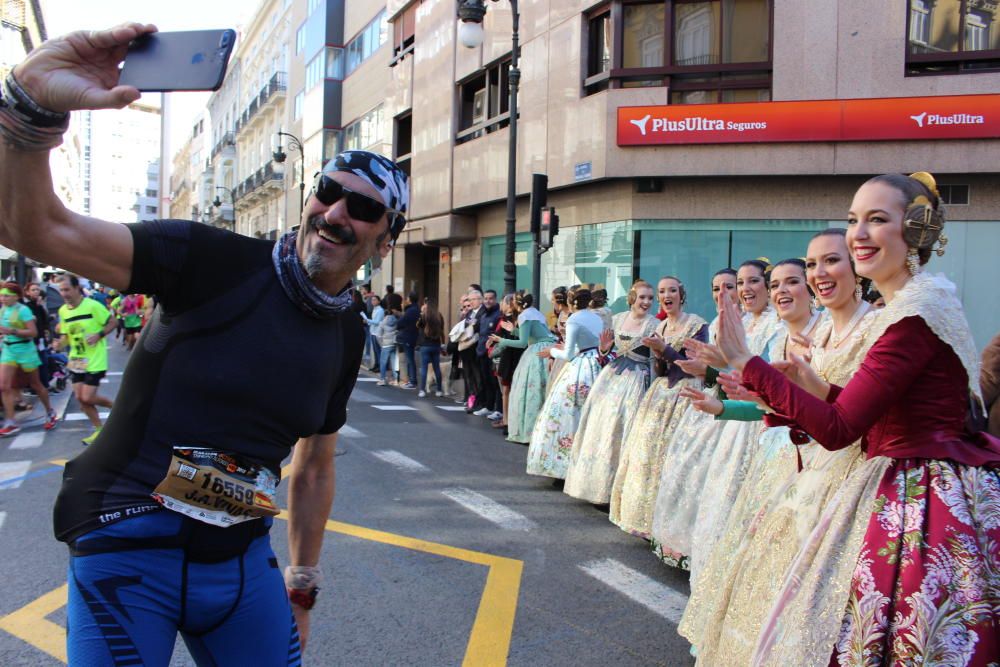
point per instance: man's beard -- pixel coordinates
(314, 263)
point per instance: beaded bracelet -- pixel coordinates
(26, 125)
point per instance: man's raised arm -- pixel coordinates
(74, 72)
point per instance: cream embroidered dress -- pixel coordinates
(685, 480)
(609, 412)
(775, 511)
(637, 479)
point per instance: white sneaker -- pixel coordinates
(438, 394)
(481, 412)
(495, 416)
(380, 383)
(421, 393)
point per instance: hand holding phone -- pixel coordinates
(178, 61)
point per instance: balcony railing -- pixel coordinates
(276, 85)
(262, 176)
(227, 140)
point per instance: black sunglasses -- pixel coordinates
(360, 207)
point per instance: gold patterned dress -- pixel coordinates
(685, 482)
(609, 412)
(637, 479)
(776, 509)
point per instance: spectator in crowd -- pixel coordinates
(430, 336)
(455, 372)
(373, 320)
(387, 337)
(406, 337)
(467, 344)
(488, 400)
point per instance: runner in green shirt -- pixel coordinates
(18, 328)
(131, 309)
(116, 312)
(83, 325)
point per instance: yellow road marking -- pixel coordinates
(29, 623)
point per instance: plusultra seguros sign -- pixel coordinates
(882, 119)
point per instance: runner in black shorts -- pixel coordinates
(167, 514)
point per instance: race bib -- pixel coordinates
(77, 364)
(216, 487)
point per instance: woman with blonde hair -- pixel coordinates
(614, 399)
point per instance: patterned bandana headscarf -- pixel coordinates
(379, 171)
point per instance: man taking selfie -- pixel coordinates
(167, 514)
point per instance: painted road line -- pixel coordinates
(29, 440)
(29, 623)
(13, 473)
(3, 517)
(114, 373)
(351, 432)
(489, 509)
(450, 408)
(651, 594)
(401, 461)
(14, 482)
(366, 379)
(395, 408)
(79, 416)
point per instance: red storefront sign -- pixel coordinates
(951, 117)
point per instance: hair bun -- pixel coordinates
(927, 181)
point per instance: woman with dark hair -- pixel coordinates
(686, 469)
(531, 376)
(33, 299)
(599, 304)
(552, 435)
(19, 329)
(612, 404)
(903, 567)
(430, 337)
(779, 505)
(504, 358)
(637, 478)
(387, 331)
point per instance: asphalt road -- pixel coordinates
(442, 551)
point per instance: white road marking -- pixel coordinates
(395, 408)
(450, 408)
(400, 461)
(489, 509)
(114, 373)
(79, 416)
(651, 594)
(3, 517)
(351, 432)
(367, 379)
(13, 470)
(28, 440)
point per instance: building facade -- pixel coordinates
(684, 203)
(147, 200)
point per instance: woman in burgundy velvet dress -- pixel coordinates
(906, 570)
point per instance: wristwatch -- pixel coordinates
(303, 597)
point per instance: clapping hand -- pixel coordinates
(607, 341)
(731, 383)
(702, 401)
(692, 367)
(80, 70)
(707, 353)
(732, 338)
(655, 343)
(507, 326)
(798, 370)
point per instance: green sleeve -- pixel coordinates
(741, 411)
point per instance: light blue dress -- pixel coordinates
(531, 377)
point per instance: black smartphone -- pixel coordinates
(162, 62)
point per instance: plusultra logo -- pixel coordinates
(927, 119)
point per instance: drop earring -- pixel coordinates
(857, 289)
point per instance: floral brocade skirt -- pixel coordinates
(553, 432)
(605, 418)
(637, 479)
(527, 393)
(903, 568)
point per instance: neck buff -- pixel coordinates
(311, 300)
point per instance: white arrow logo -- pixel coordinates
(641, 123)
(920, 119)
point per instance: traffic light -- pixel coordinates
(549, 227)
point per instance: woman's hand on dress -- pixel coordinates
(655, 343)
(702, 401)
(546, 353)
(493, 339)
(692, 367)
(732, 338)
(80, 69)
(707, 353)
(507, 326)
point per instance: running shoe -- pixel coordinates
(89, 440)
(482, 412)
(9, 430)
(421, 394)
(380, 383)
(51, 422)
(409, 385)
(494, 416)
(438, 394)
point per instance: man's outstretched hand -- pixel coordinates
(80, 70)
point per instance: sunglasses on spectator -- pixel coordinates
(360, 207)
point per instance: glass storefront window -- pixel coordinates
(747, 28)
(491, 268)
(934, 25)
(599, 254)
(696, 33)
(642, 35)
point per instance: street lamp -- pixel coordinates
(232, 200)
(470, 33)
(280, 157)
